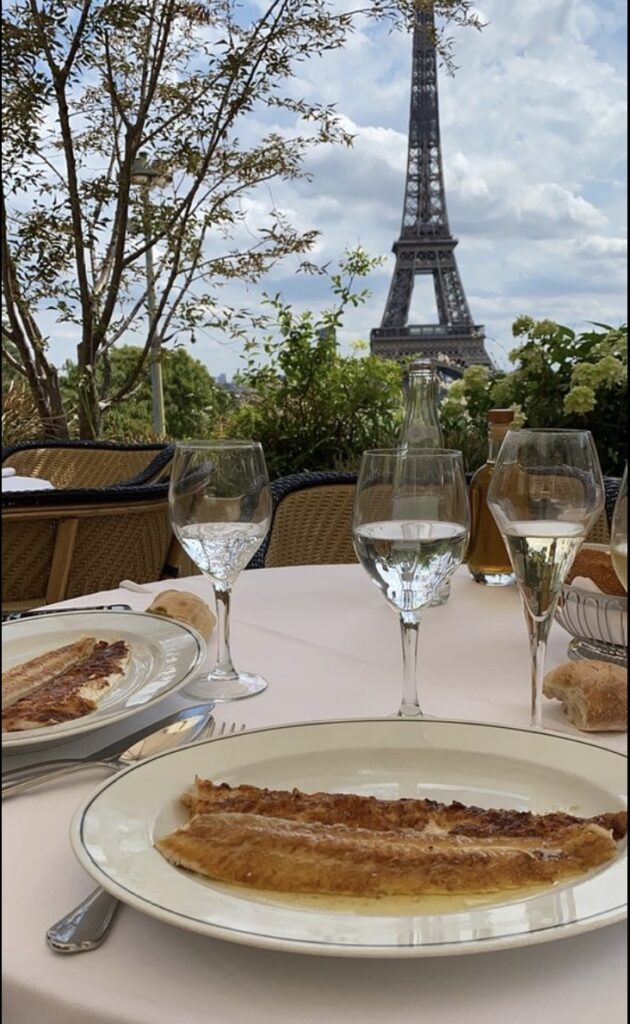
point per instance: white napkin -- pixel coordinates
(25, 483)
(584, 583)
(8, 471)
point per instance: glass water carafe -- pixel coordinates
(421, 426)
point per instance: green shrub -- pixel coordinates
(309, 406)
(560, 379)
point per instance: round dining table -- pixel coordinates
(329, 647)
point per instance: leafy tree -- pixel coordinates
(309, 406)
(193, 401)
(560, 379)
(96, 91)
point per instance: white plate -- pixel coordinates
(113, 831)
(163, 655)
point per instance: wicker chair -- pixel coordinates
(311, 521)
(90, 464)
(63, 544)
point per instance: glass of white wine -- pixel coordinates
(619, 532)
(546, 492)
(220, 509)
(410, 532)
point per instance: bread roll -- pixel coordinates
(594, 694)
(185, 607)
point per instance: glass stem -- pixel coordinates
(409, 626)
(538, 634)
(224, 666)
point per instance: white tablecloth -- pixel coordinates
(329, 646)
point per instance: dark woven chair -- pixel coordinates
(62, 544)
(311, 521)
(90, 464)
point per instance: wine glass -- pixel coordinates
(546, 492)
(410, 531)
(619, 532)
(220, 508)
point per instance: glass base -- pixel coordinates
(409, 713)
(493, 579)
(221, 689)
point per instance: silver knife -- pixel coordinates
(186, 725)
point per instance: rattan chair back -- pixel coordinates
(600, 531)
(89, 464)
(311, 521)
(59, 545)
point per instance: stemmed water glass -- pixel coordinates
(619, 532)
(410, 531)
(546, 492)
(220, 508)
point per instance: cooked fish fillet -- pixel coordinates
(371, 813)
(294, 856)
(73, 693)
(23, 679)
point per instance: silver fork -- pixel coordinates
(87, 925)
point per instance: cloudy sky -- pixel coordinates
(533, 144)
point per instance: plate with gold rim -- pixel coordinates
(114, 830)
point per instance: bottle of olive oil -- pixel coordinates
(488, 560)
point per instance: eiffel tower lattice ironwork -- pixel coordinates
(426, 245)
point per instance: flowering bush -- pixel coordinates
(560, 379)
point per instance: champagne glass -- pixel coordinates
(220, 508)
(546, 492)
(619, 532)
(410, 532)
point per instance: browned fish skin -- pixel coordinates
(61, 699)
(294, 856)
(26, 678)
(371, 813)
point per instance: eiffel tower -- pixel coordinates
(426, 245)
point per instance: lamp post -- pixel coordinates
(148, 176)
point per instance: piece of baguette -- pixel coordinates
(594, 694)
(184, 607)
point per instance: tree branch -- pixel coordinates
(76, 40)
(11, 360)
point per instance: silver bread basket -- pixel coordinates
(597, 622)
